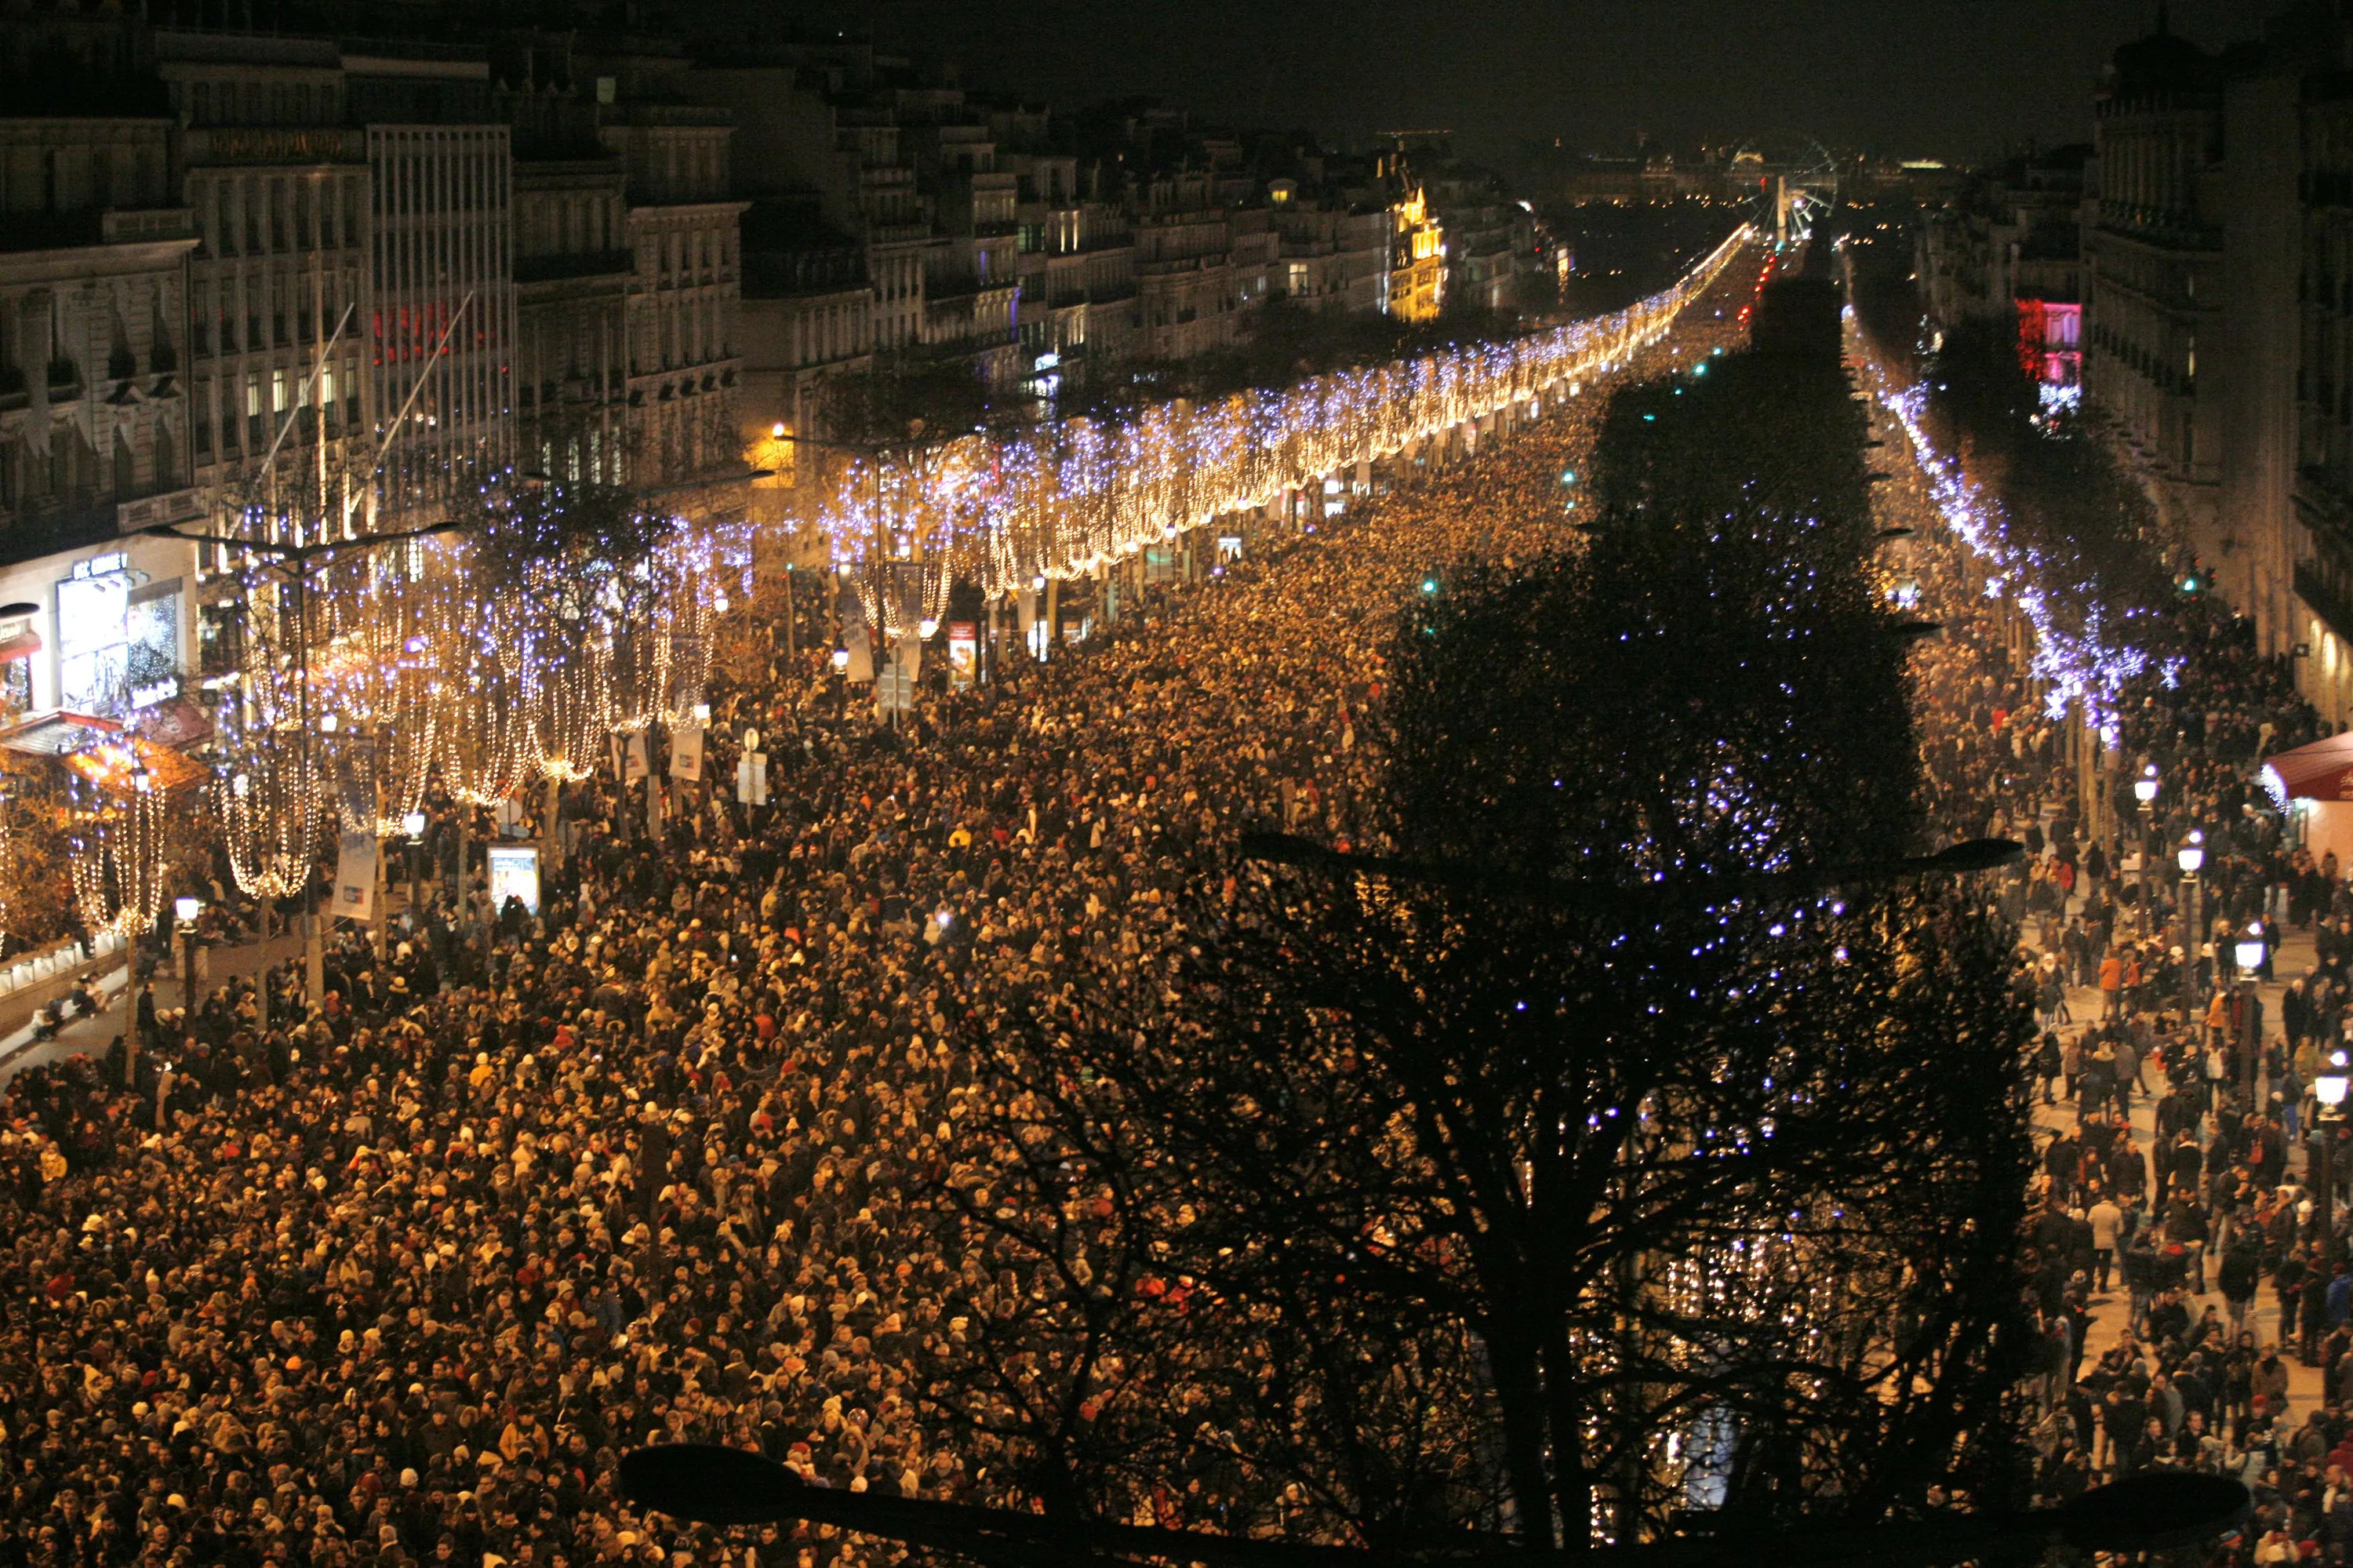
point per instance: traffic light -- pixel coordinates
(2195, 581)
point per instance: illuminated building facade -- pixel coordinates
(1416, 257)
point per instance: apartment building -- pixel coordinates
(2152, 265)
(94, 434)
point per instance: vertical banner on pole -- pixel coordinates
(355, 878)
(686, 753)
(964, 653)
(854, 636)
(752, 779)
(634, 764)
(861, 652)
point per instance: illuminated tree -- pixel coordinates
(1707, 1138)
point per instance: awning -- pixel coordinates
(111, 765)
(22, 645)
(177, 723)
(2321, 771)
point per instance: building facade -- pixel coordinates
(94, 436)
(2152, 276)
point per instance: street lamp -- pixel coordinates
(2251, 952)
(2253, 949)
(2189, 857)
(2329, 1087)
(2145, 791)
(186, 909)
(413, 825)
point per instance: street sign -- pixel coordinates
(894, 689)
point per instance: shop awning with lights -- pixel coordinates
(2321, 771)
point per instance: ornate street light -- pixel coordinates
(2329, 1087)
(2189, 857)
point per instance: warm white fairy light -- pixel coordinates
(267, 793)
(1063, 499)
(118, 858)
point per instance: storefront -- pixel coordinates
(104, 630)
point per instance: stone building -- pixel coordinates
(279, 187)
(2152, 273)
(574, 274)
(94, 436)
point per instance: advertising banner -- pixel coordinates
(355, 878)
(964, 653)
(514, 869)
(686, 753)
(752, 779)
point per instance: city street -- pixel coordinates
(1507, 794)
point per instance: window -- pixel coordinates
(118, 639)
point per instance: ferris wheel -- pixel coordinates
(1789, 182)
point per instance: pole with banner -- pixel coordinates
(686, 753)
(636, 766)
(752, 772)
(355, 878)
(964, 653)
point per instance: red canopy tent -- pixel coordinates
(2321, 771)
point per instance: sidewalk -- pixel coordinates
(2110, 1314)
(19, 1050)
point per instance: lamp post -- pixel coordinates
(413, 824)
(186, 910)
(142, 782)
(2189, 857)
(2329, 1087)
(2145, 791)
(2251, 952)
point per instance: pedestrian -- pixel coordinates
(2108, 1223)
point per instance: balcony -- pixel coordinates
(135, 225)
(2314, 586)
(573, 264)
(54, 523)
(159, 511)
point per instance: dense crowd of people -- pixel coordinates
(2208, 1196)
(394, 1280)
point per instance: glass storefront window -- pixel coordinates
(117, 641)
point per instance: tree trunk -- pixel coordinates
(1519, 1393)
(1566, 1400)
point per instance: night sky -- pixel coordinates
(1932, 78)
